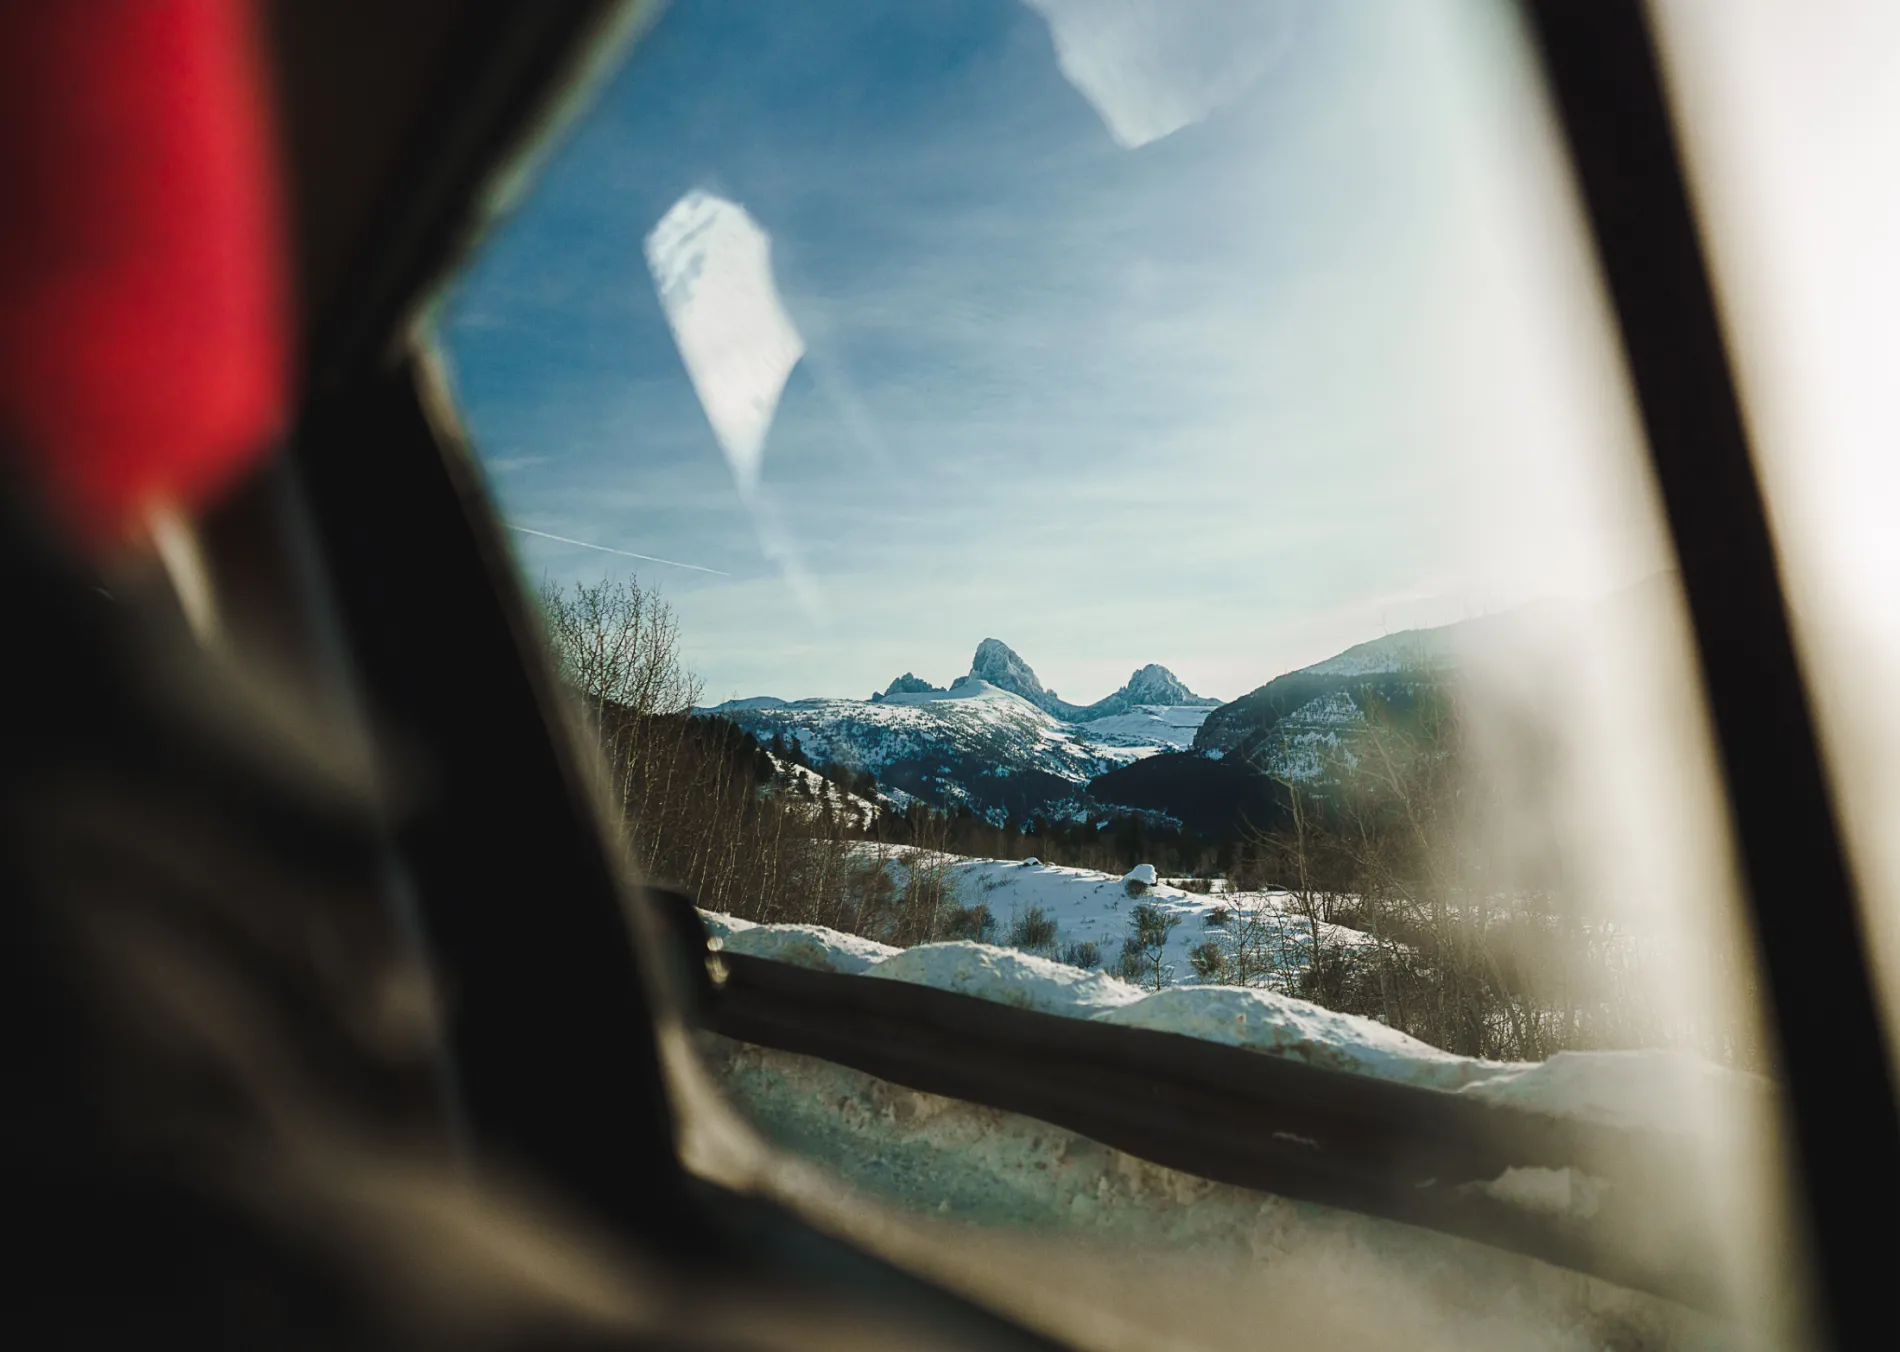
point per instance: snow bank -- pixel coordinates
(1007, 977)
(813, 946)
(1257, 1020)
(1658, 1090)
(721, 926)
(1263, 1021)
(1140, 873)
(1661, 1090)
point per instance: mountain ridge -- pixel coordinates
(1002, 666)
(996, 739)
(1000, 742)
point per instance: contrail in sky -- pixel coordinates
(624, 553)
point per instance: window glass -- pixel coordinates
(1791, 119)
(862, 375)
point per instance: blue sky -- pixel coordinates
(1324, 362)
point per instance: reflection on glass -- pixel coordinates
(1238, 372)
(712, 268)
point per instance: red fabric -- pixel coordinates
(144, 351)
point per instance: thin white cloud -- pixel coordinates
(712, 266)
(624, 553)
(509, 464)
(1152, 67)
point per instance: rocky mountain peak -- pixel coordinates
(1000, 665)
(1155, 684)
(908, 684)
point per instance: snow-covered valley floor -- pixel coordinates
(1087, 906)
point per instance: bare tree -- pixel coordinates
(700, 799)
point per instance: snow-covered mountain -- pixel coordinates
(999, 664)
(995, 739)
(974, 743)
(908, 684)
(1151, 686)
(1000, 741)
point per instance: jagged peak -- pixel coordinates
(908, 684)
(1155, 684)
(1001, 665)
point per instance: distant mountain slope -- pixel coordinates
(974, 744)
(1279, 725)
(1294, 727)
(1216, 798)
(1287, 729)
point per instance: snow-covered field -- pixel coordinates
(1149, 727)
(1093, 907)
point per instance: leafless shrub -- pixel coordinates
(970, 922)
(1081, 953)
(1033, 931)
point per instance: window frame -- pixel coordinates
(554, 1040)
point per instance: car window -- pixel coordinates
(1789, 121)
(1131, 512)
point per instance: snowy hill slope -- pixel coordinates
(1090, 907)
(856, 810)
